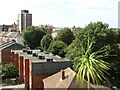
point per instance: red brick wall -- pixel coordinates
(24, 70)
(30, 74)
(6, 56)
(12, 56)
(16, 59)
(21, 69)
(37, 81)
(27, 73)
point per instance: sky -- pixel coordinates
(62, 13)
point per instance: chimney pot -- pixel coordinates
(63, 74)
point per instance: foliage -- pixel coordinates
(100, 33)
(102, 36)
(32, 36)
(45, 42)
(57, 48)
(10, 71)
(44, 28)
(117, 32)
(90, 65)
(65, 35)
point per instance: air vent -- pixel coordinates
(35, 55)
(29, 52)
(49, 60)
(24, 50)
(41, 57)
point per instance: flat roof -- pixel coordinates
(42, 66)
(55, 58)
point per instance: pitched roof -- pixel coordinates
(56, 81)
(11, 45)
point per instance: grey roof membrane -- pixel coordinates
(56, 58)
(41, 66)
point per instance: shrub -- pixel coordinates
(10, 71)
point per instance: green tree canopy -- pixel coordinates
(45, 42)
(10, 71)
(102, 36)
(66, 36)
(98, 32)
(45, 28)
(57, 48)
(32, 36)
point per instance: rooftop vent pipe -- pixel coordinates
(63, 74)
(24, 50)
(35, 55)
(49, 60)
(29, 52)
(41, 57)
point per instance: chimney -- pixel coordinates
(63, 74)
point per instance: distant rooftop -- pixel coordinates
(11, 46)
(24, 11)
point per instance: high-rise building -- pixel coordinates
(24, 20)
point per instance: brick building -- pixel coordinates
(5, 51)
(35, 65)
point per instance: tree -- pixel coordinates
(10, 71)
(90, 66)
(102, 36)
(45, 42)
(66, 36)
(99, 32)
(57, 48)
(45, 28)
(32, 36)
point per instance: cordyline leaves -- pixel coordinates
(90, 65)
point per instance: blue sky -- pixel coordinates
(61, 13)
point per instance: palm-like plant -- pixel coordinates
(90, 65)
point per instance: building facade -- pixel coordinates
(24, 20)
(5, 51)
(35, 65)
